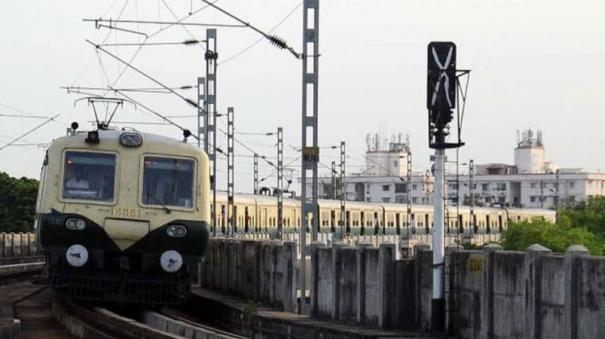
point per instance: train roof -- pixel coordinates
(112, 136)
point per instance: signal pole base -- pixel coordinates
(438, 315)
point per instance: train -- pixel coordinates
(258, 213)
(124, 216)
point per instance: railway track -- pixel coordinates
(20, 268)
(32, 310)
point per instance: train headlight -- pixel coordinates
(131, 139)
(76, 255)
(176, 231)
(75, 224)
(171, 261)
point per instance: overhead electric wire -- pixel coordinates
(274, 39)
(159, 115)
(104, 39)
(168, 43)
(189, 101)
(244, 50)
(29, 132)
(26, 116)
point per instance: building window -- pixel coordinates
(368, 199)
(414, 200)
(572, 184)
(386, 187)
(474, 186)
(400, 188)
(532, 198)
(501, 186)
(485, 187)
(532, 185)
(395, 163)
(386, 199)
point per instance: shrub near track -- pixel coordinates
(17, 203)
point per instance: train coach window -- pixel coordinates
(89, 176)
(168, 181)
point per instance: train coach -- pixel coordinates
(122, 216)
(365, 218)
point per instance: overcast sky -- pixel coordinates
(535, 64)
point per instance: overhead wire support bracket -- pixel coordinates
(154, 22)
(273, 39)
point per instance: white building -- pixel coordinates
(532, 182)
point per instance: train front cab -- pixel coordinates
(114, 238)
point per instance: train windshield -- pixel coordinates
(168, 181)
(89, 176)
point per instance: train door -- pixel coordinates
(500, 226)
(363, 223)
(397, 223)
(487, 224)
(460, 223)
(426, 224)
(332, 221)
(376, 223)
(246, 220)
(348, 222)
(234, 219)
(264, 220)
(475, 226)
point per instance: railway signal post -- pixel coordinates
(441, 102)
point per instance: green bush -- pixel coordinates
(580, 225)
(17, 203)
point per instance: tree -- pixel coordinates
(555, 236)
(589, 214)
(17, 203)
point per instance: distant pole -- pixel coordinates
(541, 193)
(409, 193)
(343, 190)
(280, 182)
(210, 107)
(255, 174)
(471, 169)
(557, 190)
(333, 193)
(230, 172)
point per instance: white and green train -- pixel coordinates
(122, 216)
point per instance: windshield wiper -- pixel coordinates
(168, 210)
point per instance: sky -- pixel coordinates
(535, 64)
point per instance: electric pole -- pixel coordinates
(230, 172)
(280, 182)
(343, 191)
(211, 56)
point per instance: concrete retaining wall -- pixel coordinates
(17, 244)
(489, 293)
(263, 271)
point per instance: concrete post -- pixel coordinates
(322, 276)
(386, 258)
(287, 269)
(533, 281)
(361, 273)
(570, 317)
(424, 283)
(487, 297)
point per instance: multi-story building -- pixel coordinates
(532, 182)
